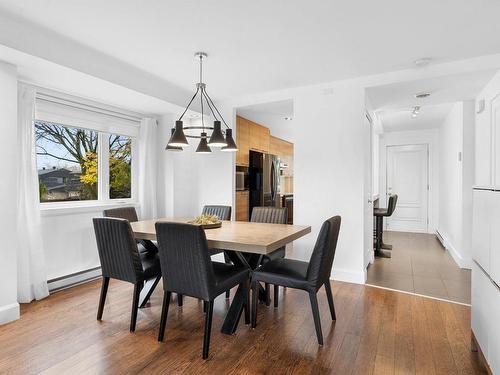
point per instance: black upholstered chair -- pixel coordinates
(130, 214)
(222, 212)
(187, 269)
(379, 214)
(120, 259)
(144, 246)
(302, 275)
(271, 215)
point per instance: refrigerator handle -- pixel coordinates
(273, 183)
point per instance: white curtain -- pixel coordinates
(31, 274)
(147, 169)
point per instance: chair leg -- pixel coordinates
(179, 299)
(164, 314)
(208, 328)
(205, 307)
(268, 294)
(317, 320)
(135, 305)
(255, 300)
(329, 296)
(102, 299)
(246, 285)
(276, 295)
(228, 293)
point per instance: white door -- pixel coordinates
(407, 176)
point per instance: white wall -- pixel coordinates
(456, 179)
(9, 308)
(429, 137)
(69, 241)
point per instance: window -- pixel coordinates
(120, 166)
(67, 160)
(85, 151)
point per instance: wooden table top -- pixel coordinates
(258, 238)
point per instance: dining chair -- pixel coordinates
(223, 213)
(120, 259)
(144, 246)
(187, 269)
(271, 215)
(303, 275)
(130, 214)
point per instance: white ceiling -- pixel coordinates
(430, 117)
(259, 45)
(282, 109)
(393, 103)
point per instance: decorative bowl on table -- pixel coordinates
(206, 221)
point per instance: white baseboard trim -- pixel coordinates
(348, 276)
(9, 313)
(74, 279)
(459, 260)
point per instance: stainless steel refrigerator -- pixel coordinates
(264, 180)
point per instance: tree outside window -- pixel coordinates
(67, 161)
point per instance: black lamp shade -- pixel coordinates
(217, 138)
(203, 146)
(172, 148)
(231, 145)
(178, 138)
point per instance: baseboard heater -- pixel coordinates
(441, 239)
(73, 279)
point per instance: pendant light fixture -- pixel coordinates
(173, 148)
(217, 138)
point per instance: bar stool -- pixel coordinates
(379, 214)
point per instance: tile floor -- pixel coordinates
(419, 264)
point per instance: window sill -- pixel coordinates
(70, 208)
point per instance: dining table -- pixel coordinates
(245, 243)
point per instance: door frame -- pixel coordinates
(414, 137)
(427, 161)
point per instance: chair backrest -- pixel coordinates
(271, 215)
(117, 249)
(222, 212)
(185, 260)
(128, 213)
(320, 265)
(391, 206)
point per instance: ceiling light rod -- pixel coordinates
(217, 138)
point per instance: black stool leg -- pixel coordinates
(104, 291)
(246, 285)
(179, 299)
(268, 294)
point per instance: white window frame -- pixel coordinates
(103, 200)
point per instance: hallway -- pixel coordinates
(420, 265)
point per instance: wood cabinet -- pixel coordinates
(250, 136)
(259, 137)
(280, 147)
(243, 141)
(242, 203)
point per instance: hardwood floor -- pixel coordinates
(420, 265)
(377, 332)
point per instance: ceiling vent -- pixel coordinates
(422, 95)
